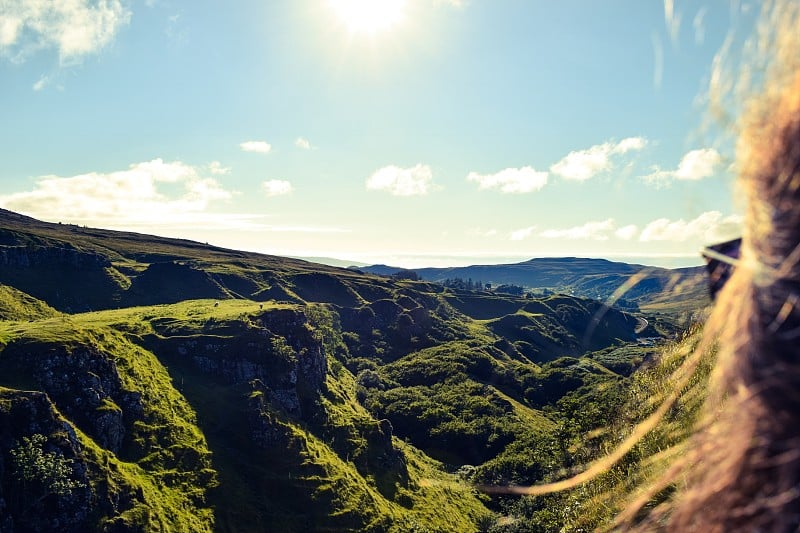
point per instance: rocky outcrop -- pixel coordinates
(266, 429)
(26, 503)
(277, 348)
(85, 383)
(50, 257)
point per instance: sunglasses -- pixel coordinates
(721, 259)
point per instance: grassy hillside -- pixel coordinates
(598, 504)
(174, 386)
(17, 305)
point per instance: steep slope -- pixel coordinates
(16, 305)
(136, 458)
(596, 504)
(288, 444)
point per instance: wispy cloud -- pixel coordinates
(658, 60)
(523, 233)
(708, 227)
(414, 181)
(74, 28)
(595, 230)
(41, 83)
(276, 187)
(694, 165)
(303, 143)
(699, 25)
(123, 198)
(672, 20)
(260, 147)
(511, 180)
(582, 165)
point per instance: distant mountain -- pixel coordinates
(651, 288)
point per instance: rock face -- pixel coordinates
(266, 429)
(29, 505)
(277, 348)
(48, 256)
(85, 384)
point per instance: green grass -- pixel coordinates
(164, 453)
(16, 305)
(596, 504)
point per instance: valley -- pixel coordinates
(187, 387)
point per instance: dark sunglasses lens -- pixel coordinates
(720, 271)
(718, 274)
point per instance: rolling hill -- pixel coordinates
(168, 385)
(673, 291)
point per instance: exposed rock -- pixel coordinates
(279, 349)
(85, 383)
(266, 430)
(50, 256)
(31, 506)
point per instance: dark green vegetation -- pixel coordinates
(615, 493)
(165, 385)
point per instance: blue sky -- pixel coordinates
(437, 132)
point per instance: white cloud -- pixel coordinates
(303, 143)
(215, 167)
(75, 28)
(627, 233)
(694, 165)
(628, 144)
(511, 180)
(260, 147)
(595, 230)
(698, 164)
(708, 227)
(584, 164)
(522, 234)
(123, 198)
(276, 187)
(414, 181)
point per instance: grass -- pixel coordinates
(164, 457)
(595, 504)
(16, 305)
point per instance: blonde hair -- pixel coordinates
(743, 471)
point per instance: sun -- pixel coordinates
(369, 16)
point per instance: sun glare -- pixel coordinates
(369, 16)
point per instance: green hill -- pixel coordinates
(169, 385)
